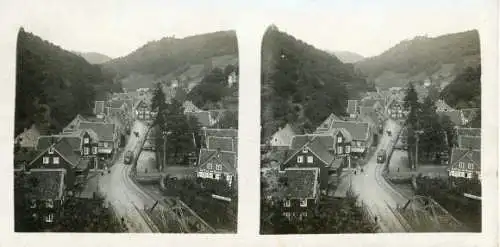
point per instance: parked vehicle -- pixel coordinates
(381, 156)
(129, 155)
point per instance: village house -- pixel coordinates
(217, 165)
(45, 196)
(396, 110)
(61, 155)
(466, 155)
(99, 107)
(282, 139)
(107, 136)
(190, 107)
(300, 192)
(360, 133)
(328, 152)
(143, 110)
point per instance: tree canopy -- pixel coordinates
(465, 90)
(53, 85)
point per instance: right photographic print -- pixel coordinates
(374, 128)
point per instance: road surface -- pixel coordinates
(123, 194)
(372, 189)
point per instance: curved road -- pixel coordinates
(123, 194)
(372, 189)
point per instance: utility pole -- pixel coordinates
(417, 136)
(164, 149)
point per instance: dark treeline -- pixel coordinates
(465, 90)
(53, 85)
(171, 54)
(302, 85)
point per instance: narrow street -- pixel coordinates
(123, 194)
(375, 193)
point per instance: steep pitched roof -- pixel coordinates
(72, 125)
(227, 159)
(328, 122)
(470, 114)
(45, 183)
(469, 142)
(301, 183)
(190, 107)
(105, 131)
(298, 141)
(358, 130)
(352, 106)
(458, 153)
(441, 106)
(469, 131)
(223, 143)
(73, 141)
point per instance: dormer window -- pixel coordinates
(86, 140)
(51, 150)
(339, 139)
(305, 150)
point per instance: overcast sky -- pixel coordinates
(117, 27)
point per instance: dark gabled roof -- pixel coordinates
(301, 183)
(228, 159)
(469, 131)
(328, 121)
(220, 132)
(105, 131)
(358, 130)
(65, 150)
(298, 141)
(441, 106)
(469, 142)
(203, 117)
(458, 153)
(352, 106)
(45, 184)
(223, 143)
(73, 141)
(321, 151)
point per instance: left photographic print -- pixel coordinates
(142, 139)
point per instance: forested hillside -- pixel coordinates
(465, 90)
(53, 85)
(169, 54)
(440, 58)
(302, 85)
(347, 56)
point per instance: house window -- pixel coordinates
(49, 203)
(470, 166)
(229, 178)
(46, 160)
(339, 139)
(347, 149)
(94, 150)
(49, 218)
(209, 166)
(300, 159)
(303, 203)
(340, 150)
(461, 165)
(310, 159)
(105, 144)
(56, 160)
(33, 203)
(218, 167)
(86, 151)
(287, 203)
(86, 140)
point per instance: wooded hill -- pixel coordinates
(302, 85)
(465, 90)
(441, 58)
(171, 54)
(53, 85)
(93, 57)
